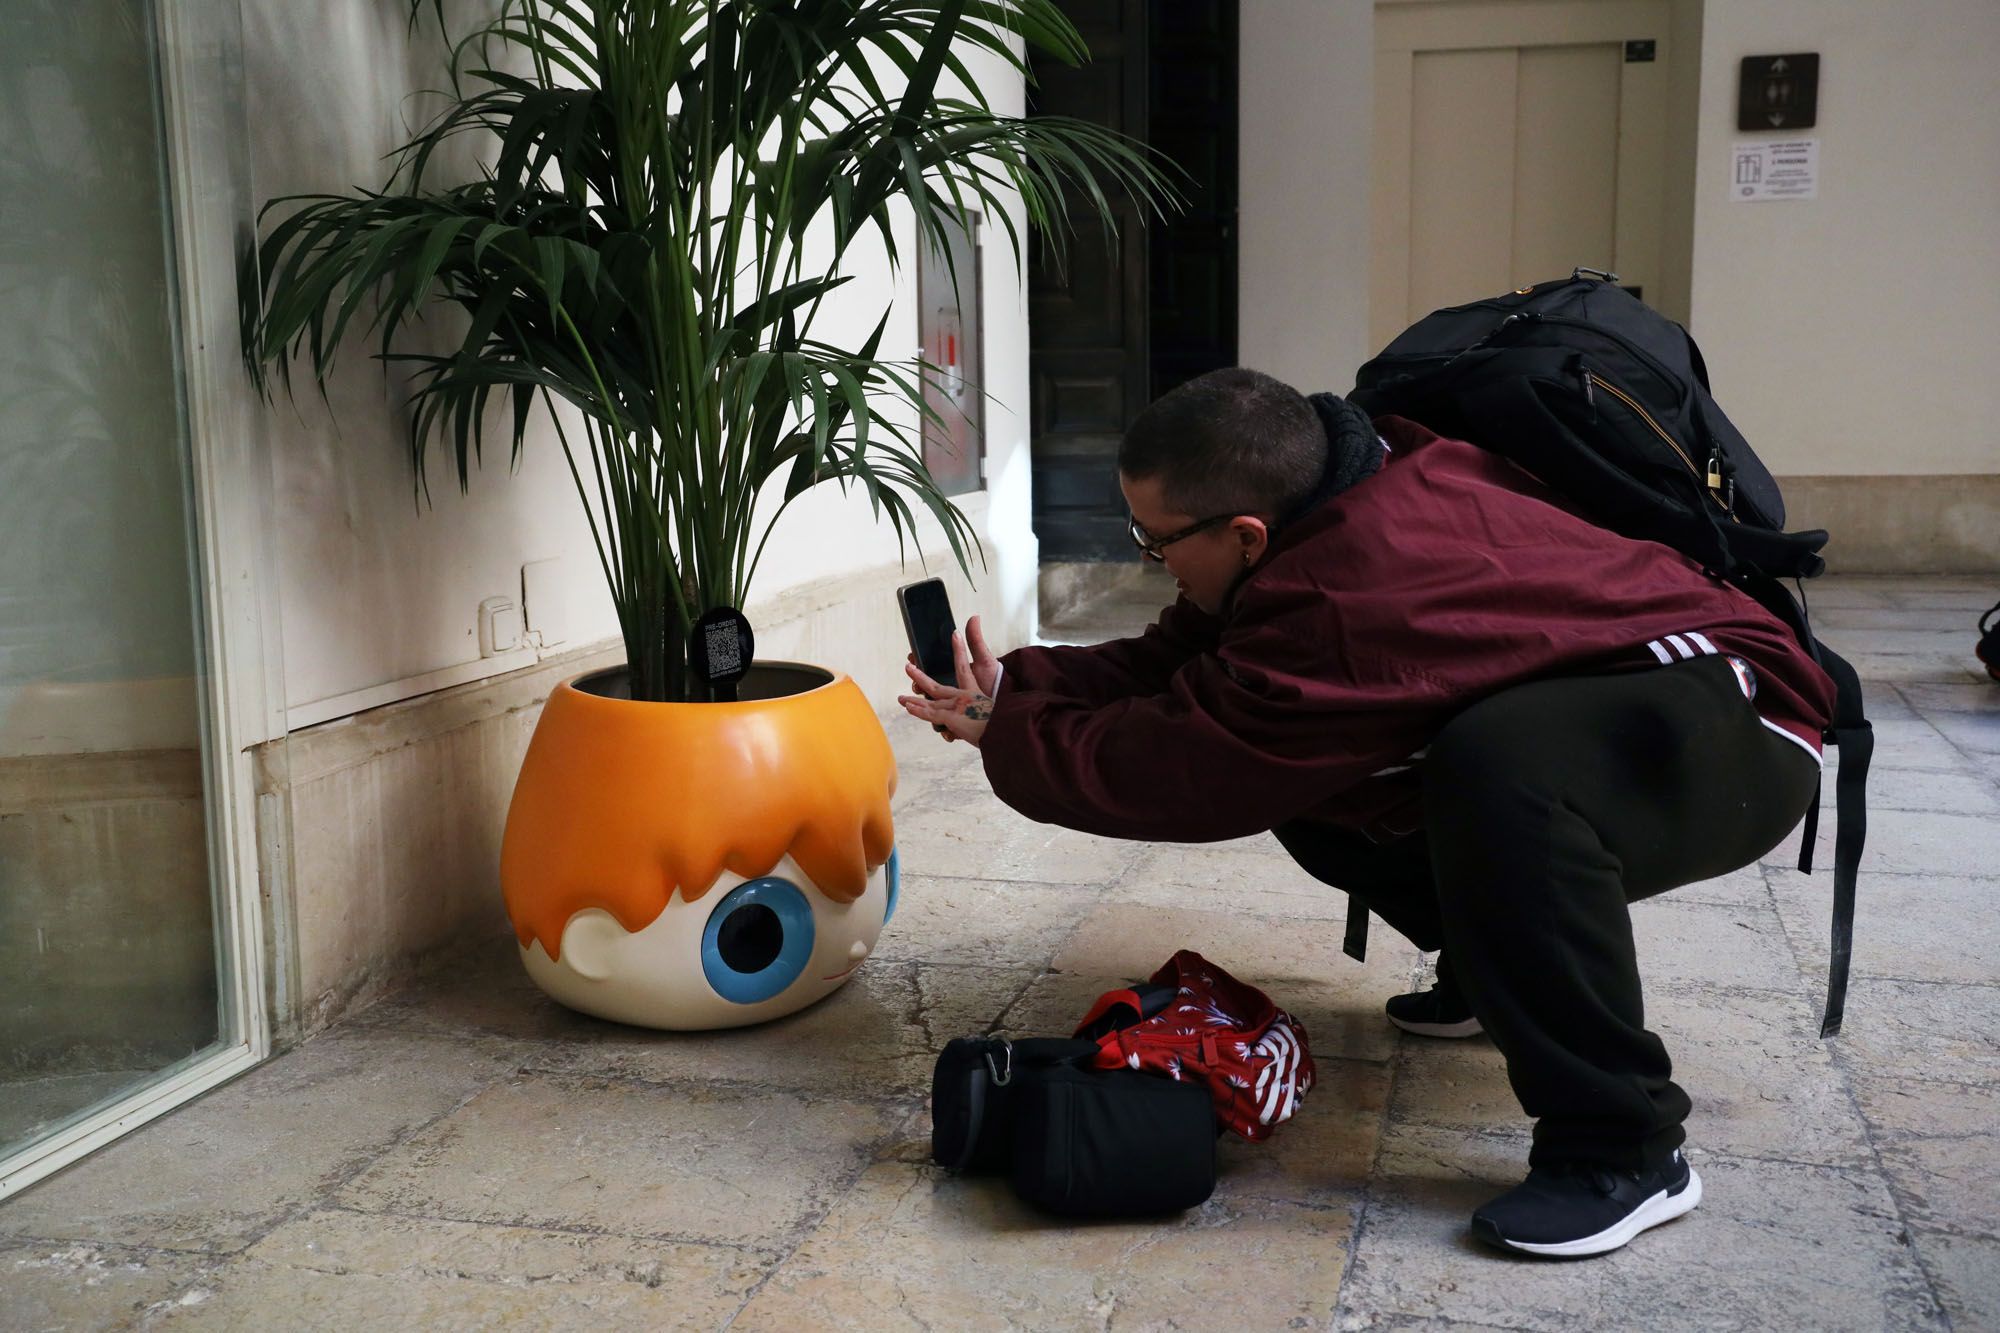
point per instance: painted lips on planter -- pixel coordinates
(702, 865)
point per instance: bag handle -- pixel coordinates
(1139, 1003)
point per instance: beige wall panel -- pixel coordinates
(1461, 177)
(1854, 333)
(1566, 161)
(1303, 157)
(1389, 202)
(1643, 134)
(1677, 188)
(1465, 24)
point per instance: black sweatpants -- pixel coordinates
(1547, 808)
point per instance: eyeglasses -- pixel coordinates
(1151, 547)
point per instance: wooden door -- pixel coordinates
(1087, 325)
(1191, 50)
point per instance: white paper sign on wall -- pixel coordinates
(1774, 169)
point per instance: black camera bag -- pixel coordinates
(975, 1093)
(1074, 1139)
(1112, 1143)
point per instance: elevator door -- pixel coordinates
(1513, 142)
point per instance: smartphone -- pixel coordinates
(927, 618)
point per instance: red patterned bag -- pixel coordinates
(1211, 1027)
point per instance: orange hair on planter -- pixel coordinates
(621, 804)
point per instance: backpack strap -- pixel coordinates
(1855, 737)
(1355, 942)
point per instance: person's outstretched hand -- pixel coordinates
(985, 666)
(959, 712)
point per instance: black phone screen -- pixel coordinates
(927, 616)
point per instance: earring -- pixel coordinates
(1246, 560)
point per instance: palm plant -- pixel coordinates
(671, 189)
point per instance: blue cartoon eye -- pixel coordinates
(894, 873)
(758, 940)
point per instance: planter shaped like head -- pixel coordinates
(701, 865)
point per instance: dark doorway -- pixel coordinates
(1127, 319)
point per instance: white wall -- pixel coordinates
(1307, 103)
(379, 597)
(1853, 334)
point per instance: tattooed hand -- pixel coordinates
(961, 712)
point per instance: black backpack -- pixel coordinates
(1607, 401)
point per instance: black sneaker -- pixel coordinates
(1438, 1012)
(1574, 1209)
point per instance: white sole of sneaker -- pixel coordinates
(1465, 1027)
(1662, 1207)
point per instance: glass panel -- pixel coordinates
(949, 323)
(108, 961)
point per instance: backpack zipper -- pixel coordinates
(1630, 348)
(1712, 483)
(1517, 316)
(1721, 487)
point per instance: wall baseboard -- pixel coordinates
(1066, 587)
(1901, 524)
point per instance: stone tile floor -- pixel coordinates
(468, 1155)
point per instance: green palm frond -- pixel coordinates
(633, 259)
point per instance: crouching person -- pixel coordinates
(1490, 721)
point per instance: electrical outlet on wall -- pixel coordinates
(499, 626)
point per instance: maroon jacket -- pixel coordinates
(1371, 621)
